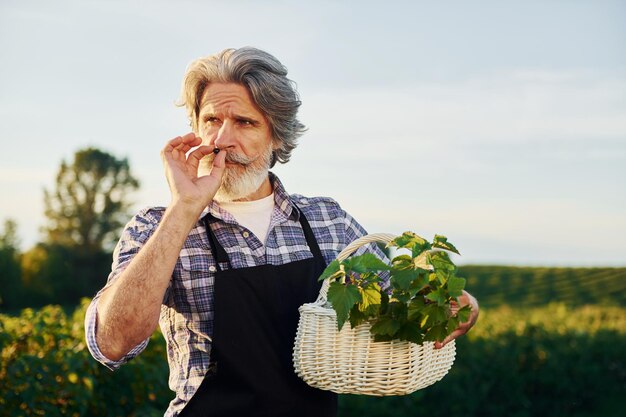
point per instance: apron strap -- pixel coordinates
(220, 255)
(310, 237)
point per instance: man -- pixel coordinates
(225, 266)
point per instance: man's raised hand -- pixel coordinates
(181, 171)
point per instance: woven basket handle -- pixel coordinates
(349, 250)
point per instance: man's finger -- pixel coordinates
(458, 332)
(178, 140)
(200, 152)
(178, 147)
(214, 179)
(218, 165)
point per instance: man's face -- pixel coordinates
(229, 120)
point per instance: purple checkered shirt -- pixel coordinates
(186, 318)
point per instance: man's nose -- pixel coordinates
(225, 136)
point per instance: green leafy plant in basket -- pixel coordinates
(416, 305)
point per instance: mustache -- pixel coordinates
(233, 158)
(239, 159)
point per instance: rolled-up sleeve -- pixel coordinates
(134, 236)
(92, 345)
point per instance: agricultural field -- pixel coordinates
(537, 286)
(548, 342)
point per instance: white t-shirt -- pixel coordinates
(253, 215)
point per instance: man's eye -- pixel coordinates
(211, 120)
(245, 122)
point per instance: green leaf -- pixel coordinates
(416, 286)
(410, 240)
(437, 333)
(370, 278)
(382, 338)
(402, 262)
(411, 331)
(343, 297)
(330, 270)
(455, 286)
(433, 315)
(453, 323)
(401, 296)
(439, 296)
(464, 313)
(398, 310)
(357, 316)
(443, 275)
(368, 262)
(386, 326)
(441, 260)
(402, 279)
(416, 308)
(422, 280)
(384, 303)
(370, 295)
(441, 242)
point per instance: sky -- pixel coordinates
(499, 124)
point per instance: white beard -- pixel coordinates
(244, 179)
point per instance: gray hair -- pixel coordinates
(266, 80)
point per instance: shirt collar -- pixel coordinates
(281, 200)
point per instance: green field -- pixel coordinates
(550, 341)
(536, 286)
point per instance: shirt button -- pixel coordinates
(212, 269)
(246, 234)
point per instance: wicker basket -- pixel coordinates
(350, 362)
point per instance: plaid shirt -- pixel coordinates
(186, 318)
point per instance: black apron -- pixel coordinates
(255, 322)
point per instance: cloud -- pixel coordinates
(518, 106)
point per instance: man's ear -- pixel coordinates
(275, 149)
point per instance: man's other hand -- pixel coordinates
(463, 328)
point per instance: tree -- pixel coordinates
(10, 270)
(57, 274)
(40, 275)
(84, 214)
(8, 237)
(90, 202)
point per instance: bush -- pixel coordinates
(47, 370)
